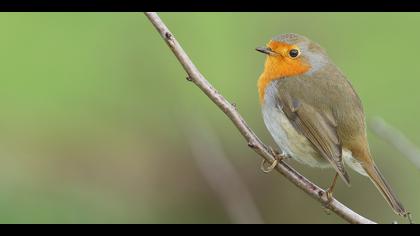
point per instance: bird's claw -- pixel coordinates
(329, 194)
(269, 168)
(277, 158)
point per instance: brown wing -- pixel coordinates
(319, 129)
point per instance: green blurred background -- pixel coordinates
(96, 112)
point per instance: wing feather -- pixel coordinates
(319, 129)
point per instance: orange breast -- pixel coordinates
(278, 67)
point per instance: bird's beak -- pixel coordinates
(266, 50)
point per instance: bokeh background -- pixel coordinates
(98, 122)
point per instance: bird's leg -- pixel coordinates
(330, 190)
(329, 194)
(277, 158)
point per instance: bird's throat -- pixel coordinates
(278, 68)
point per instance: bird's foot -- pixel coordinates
(329, 194)
(278, 157)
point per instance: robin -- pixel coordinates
(314, 114)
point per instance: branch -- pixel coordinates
(253, 141)
(221, 175)
(396, 139)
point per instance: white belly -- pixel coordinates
(289, 140)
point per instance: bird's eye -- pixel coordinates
(294, 53)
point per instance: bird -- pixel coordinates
(314, 114)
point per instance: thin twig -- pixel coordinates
(397, 139)
(221, 175)
(250, 137)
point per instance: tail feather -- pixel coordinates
(380, 182)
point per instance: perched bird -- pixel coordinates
(314, 114)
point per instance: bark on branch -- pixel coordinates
(252, 140)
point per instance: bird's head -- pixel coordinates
(292, 54)
(289, 55)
